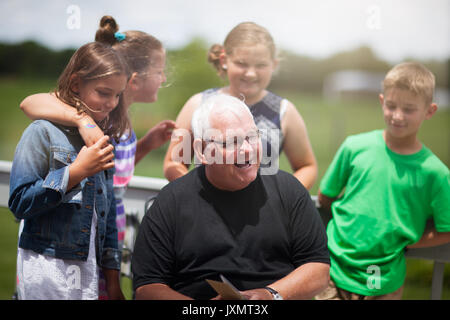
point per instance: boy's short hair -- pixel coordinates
(411, 76)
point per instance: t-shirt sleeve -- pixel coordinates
(153, 256)
(307, 231)
(441, 204)
(337, 174)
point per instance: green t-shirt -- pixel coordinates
(387, 200)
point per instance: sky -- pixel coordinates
(394, 29)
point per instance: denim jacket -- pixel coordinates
(56, 222)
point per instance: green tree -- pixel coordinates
(188, 73)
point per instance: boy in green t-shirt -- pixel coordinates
(391, 185)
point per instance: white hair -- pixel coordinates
(218, 103)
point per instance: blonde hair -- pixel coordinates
(95, 61)
(137, 47)
(411, 76)
(244, 34)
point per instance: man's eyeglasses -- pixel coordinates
(235, 143)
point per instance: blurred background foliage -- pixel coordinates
(28, 67)
(189, 72)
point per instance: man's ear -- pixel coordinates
(198, 151)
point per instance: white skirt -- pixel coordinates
(41, 277)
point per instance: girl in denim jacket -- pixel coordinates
(63, 190)
(146, 58)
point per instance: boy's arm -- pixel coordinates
(325, 201)
(431, 238)
(48, 107)
(335, 178)
(441, 215)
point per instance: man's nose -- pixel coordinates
(246, 147)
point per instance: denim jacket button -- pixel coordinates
(102, 214)
(99, 191)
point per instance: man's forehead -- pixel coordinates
(230, 118)
(214, 133)
(224, 114)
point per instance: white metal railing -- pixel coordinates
(140, 189)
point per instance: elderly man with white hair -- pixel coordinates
(262, 232)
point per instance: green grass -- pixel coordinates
(12, 120)
(328, 124)
(8, 250)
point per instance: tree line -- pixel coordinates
(190, 72)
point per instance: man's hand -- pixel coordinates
(254, 294)
(257, 294)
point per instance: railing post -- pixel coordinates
(437, 281)
(5, 170)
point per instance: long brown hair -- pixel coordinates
(94, 61)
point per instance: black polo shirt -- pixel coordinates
(253, 236)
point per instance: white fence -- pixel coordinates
(142, 188)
